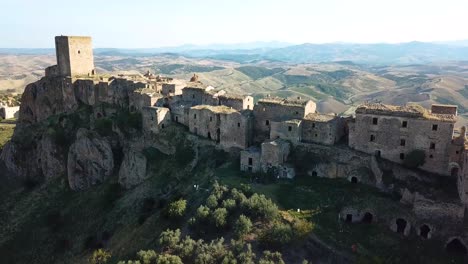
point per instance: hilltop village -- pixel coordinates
(265, 134)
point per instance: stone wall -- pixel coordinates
(250, 160)
(52, 71)
(236, 102)
(279, 110)
(393, 137)
(274, 153)
(287, 130)
(224, 125)
(74, 55)
(155, 118)
(322, 129)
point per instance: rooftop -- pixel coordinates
(412, 111)
(232, 96)
(320, 117)
(196, 85)
(222, 109)
(283, 101)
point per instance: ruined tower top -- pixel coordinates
(74, 55)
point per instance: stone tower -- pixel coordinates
(74, 56)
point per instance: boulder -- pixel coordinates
(133, 169)
(90, 160)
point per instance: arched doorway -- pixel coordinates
(354, 179)
(349, 218)
(367, 218)
(401, 225)
(424, 231)
(455, 246)
(454, 172)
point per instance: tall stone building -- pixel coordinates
(392, 132)
(74, 57)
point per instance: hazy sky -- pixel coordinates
(154, 23)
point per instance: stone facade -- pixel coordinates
(392, 132)
(274, 153)
(288, 130)
(226, 126)
(322, 128)
(237, 102)
(250, 160)
(74, 56)
(276, 109)
(155, 118)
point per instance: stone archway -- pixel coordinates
(367, 218)
(400, 225)
(456, 246)
(454, 169)
(425, 231)
(354, 179)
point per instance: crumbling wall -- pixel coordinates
(287, 130)
(250, 160)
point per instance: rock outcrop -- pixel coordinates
(49, 159)
(46, 97)
(133, 169)
(90, 160)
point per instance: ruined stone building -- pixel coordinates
(325, 129)
(392, 132)
(155, 118)
(269, 109)
(226, 126)
(8, 112)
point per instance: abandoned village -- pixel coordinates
(264, 134)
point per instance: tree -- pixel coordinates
(271, 258)
(168, 259)
(260, 206)
(242, 226)
(100, 256)
(169, 238)
(177, 208)
(212, 201)
(229, 204)
(415, 158)
(202, 212)
(219, 217)
(147, 257)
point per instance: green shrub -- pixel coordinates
(415, 158)
(100, 256)
(147, 257)
(271, 258)
(169, 238)
(302, 228)
(168, 259)
(277, 236)
(177, 209)
(229, 204)
(242, 226)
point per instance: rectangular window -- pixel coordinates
(435, 127)
(402, 156)
(313, 125)
(372, 138)
(375, 121)
(211, 118)
(194, 116)
(250, 161)
(267, 122)
(316, 135)
(432, 146)
(404, 124)
(289, 128)
(238, 124)
(402, 142)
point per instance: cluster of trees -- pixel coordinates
(178, 250)
(226, 213)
